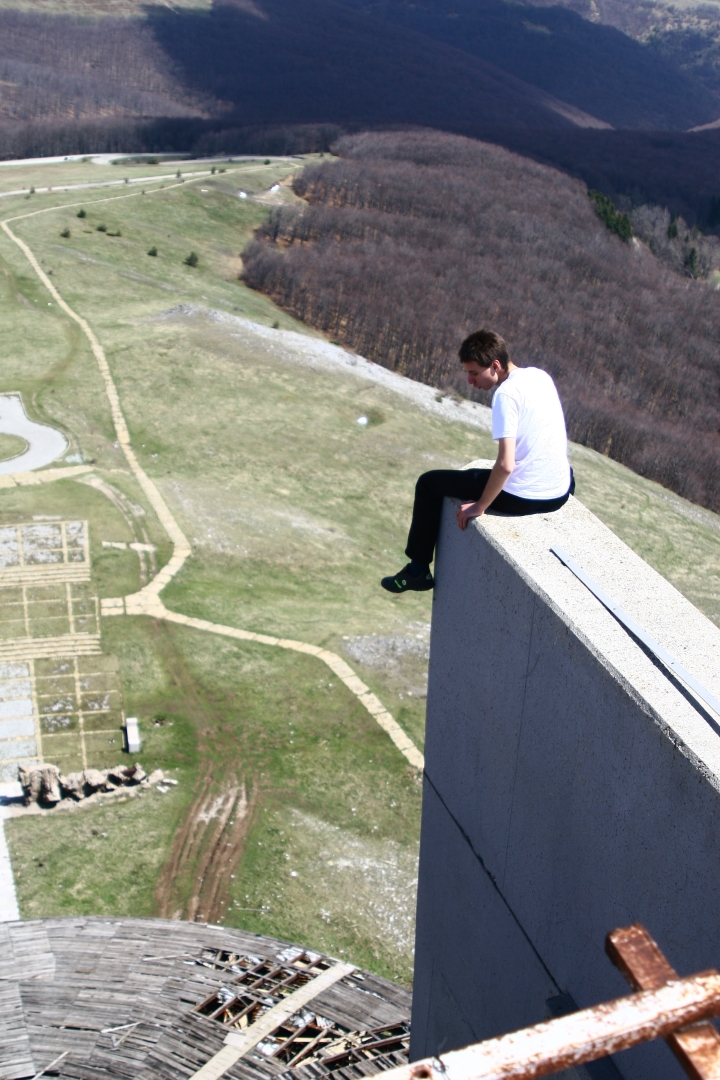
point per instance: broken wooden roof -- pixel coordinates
(152, 998)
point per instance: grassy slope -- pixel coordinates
(293, 511)
(11, 446)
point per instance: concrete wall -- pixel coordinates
(571, 787)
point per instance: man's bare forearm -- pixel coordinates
(496, 482)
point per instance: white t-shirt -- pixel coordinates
(526, 407)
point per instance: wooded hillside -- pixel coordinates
(411, 241)
(286, 76)
(597, 68)
(67, 67)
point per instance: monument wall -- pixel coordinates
(572, 785)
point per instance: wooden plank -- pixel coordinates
(575, 1039)
(355, 1007)
(102, 979)
(26, 952)
(15, 1051)
(643, 964)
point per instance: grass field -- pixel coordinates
(293, 512)
(11, 446)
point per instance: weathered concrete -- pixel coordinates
(571, 785)
(45, 443)
(9, 910)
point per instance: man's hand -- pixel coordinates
(467, 511)
(501, 470)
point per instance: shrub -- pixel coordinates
(213, 171)
(669, 239)
(153, 251)
(691, 262)
(32, 190)
(178, 174)
(81, 213)
(192, 259)
(266, 161)
(605, 210)
(101, 228)
(65, 233)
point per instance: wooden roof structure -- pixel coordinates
(90, 998)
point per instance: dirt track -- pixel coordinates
(206, 850)
(210, 841)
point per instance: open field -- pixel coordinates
(293, 511)
(21, 178)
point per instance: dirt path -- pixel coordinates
(209, 844)
(195, 881)
(147, 601)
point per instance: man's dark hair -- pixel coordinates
(483, 347)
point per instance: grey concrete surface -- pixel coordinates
(571, 785)
(45, 443)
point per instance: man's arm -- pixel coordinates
(504, 465)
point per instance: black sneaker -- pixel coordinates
(403, 582)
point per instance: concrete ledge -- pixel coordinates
(566, 768)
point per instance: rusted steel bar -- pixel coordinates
(643, 964)
(572, 1040)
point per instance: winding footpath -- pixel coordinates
(148, 601)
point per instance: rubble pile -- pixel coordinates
(46, 785)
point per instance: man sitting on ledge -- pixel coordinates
(530, 476)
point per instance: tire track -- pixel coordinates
(210, 841)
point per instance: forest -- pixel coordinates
(594, 67)
(412, 240)
(67, 67)
(289, 76)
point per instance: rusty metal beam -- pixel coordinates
(641, 961)
(580, 1037)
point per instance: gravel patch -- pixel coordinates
(384, 653)
(321, 355)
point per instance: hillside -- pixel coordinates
(411, 240)
(595, 67)
(686, 32)
(338, 66)
(245, 422)
(359, 62)
(208, 78)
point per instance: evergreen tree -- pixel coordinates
(608, 214)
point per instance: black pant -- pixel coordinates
(466, 485)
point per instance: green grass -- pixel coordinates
(11, 446)
(89, 861)
(304, 746)
(293, 512)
